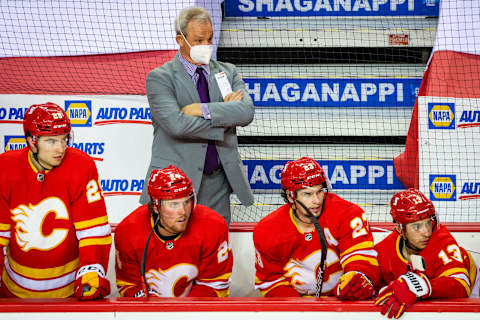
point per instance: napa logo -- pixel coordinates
(79, 112)
(443, 187)
(441, 116)
(14, 143)
(121, 187)
(469, 119)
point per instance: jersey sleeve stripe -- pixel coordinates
(90, 223)
(4, 226)
(465, 284)
(37, 285)
(451, 271)
(225, 276)
(24, 293)
(261, 285)
(372, 261)
(100, 231)
(371, 253)
(461, 276)
(42, 273)
(217, 285)
(473, 269)
(122, 283)
(95, 241)
(5, 234)
(122, 290)
(358, 246)
(267, 290)
(4, 241)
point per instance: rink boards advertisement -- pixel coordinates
(347, 8)
(333, 92)
(116, 132)
(449, 154)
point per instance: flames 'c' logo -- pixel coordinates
(29, 221)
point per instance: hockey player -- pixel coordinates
(420, 259)
(54, 232)
(288, 249)
(189, 252)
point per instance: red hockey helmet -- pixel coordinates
(46, 119)
(302, 173)
(410, 206)
(169, 183)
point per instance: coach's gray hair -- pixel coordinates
(191, 13)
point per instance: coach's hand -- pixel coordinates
(234, 96)
(354, 285)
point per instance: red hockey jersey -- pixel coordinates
(51, 224)
(287, 259)
(196, 263)
(450, 268)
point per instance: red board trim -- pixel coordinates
(224, 305)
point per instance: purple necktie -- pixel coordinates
(211, 158)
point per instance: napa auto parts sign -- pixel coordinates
(448, 135)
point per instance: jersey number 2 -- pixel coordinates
(93, 191)
(358, 227)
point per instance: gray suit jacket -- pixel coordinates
(182, 140)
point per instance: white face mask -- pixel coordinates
(200, 53)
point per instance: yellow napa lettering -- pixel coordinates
(442, 187)
(441, 115)
(78, 113)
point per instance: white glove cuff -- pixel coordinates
(418, 284)
(98, 268)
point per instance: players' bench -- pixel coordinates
(467, 235)
(241, 307)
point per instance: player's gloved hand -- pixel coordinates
(151, 292)
(91, 283)
(354, 285)
(402, 293)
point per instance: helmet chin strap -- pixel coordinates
(35, 157)
(294, 210)
(35, 154)
(408, 245)
(158, 221)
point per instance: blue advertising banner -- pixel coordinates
(330, 92)
(309, 8)
(343, 174)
